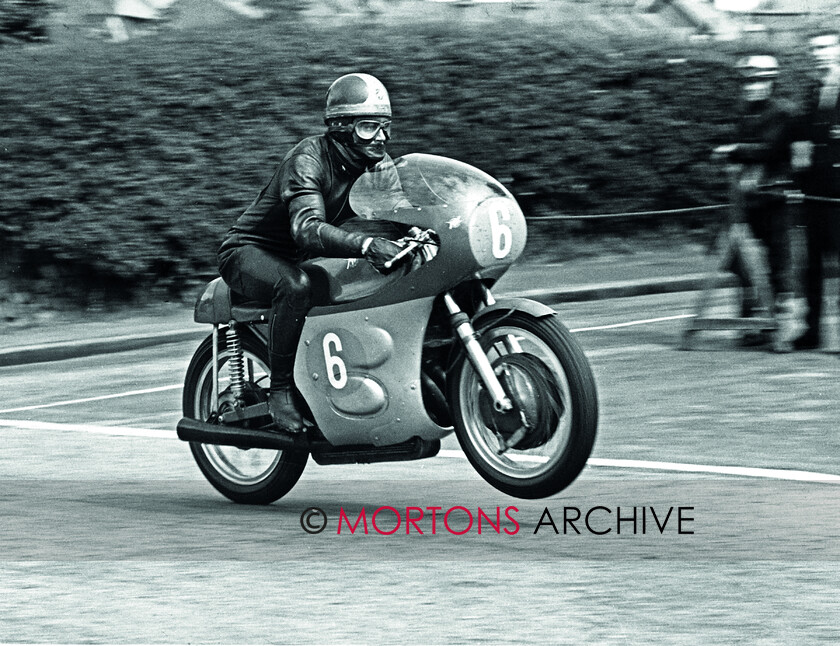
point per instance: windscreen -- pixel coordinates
(417, 181)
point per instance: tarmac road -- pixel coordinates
(110, 533)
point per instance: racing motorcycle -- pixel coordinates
(389, 364)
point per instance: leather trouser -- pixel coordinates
(266, 277)
(771, 224)
(822, 231)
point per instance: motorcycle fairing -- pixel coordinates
(481, 228)
(359, 372)
(344, 280)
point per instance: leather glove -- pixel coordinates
(380, 251)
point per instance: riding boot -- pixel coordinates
(289, 307)
(284, 333)
(281, 395)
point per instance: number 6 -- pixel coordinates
(334, 362)
(502, 235)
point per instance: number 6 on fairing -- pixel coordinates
(334, 362)
(502, 235)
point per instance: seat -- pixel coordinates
(333, 280)
(218, 304)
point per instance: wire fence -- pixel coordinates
(792, 197)
(631, 214)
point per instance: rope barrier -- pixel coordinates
(817, 198)
(797, 197)
(792, 197)
(602, 216)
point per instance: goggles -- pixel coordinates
(367, 129)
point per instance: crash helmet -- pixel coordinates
(828, 38)
(759, 73)
(825, 48)
(759, 67)
(357, 95)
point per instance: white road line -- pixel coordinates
(68, 402)
(800, 375)
(89, 428)
(146, 391)
(751, 472)
(646, 348)
(613, 326)
(242, 8)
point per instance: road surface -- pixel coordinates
(711, 499)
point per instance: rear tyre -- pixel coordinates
(548, 378)
(246, 476)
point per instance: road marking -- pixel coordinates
(801, 375)
(90, 428)
(613, 326)
(130, 393)
(628, 349)
(68, 402)
(750, 472)
(243, 8)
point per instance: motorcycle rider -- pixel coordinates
(297, 216)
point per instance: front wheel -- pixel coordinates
(542, 445)
(247, 476)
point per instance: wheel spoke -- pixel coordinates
(525, 463)
(240, 466)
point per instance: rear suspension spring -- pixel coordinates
(236, 362)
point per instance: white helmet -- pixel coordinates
(357, 95)
(761, 67)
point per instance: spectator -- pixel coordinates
(763, 153)
(820, 177)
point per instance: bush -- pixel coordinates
(23, 19)
(123, 166)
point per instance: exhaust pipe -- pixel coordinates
(192, 430)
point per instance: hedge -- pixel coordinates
(123, 165)
(23, 20)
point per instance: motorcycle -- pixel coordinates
(389, 364)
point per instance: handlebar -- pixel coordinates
(419, 238)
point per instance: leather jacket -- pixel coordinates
(822, 127)
(298, 213)
(764, 149)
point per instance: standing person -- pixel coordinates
(821, 177)
(763, 153)
(297, 215)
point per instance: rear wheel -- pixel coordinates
(542, 445)
(248, 476)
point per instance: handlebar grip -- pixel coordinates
(411, 246)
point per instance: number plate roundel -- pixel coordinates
(497, 232)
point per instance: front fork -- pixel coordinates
(478, 358)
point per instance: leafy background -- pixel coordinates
(122, 165)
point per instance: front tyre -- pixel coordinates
(247, 476)
(539, 448)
